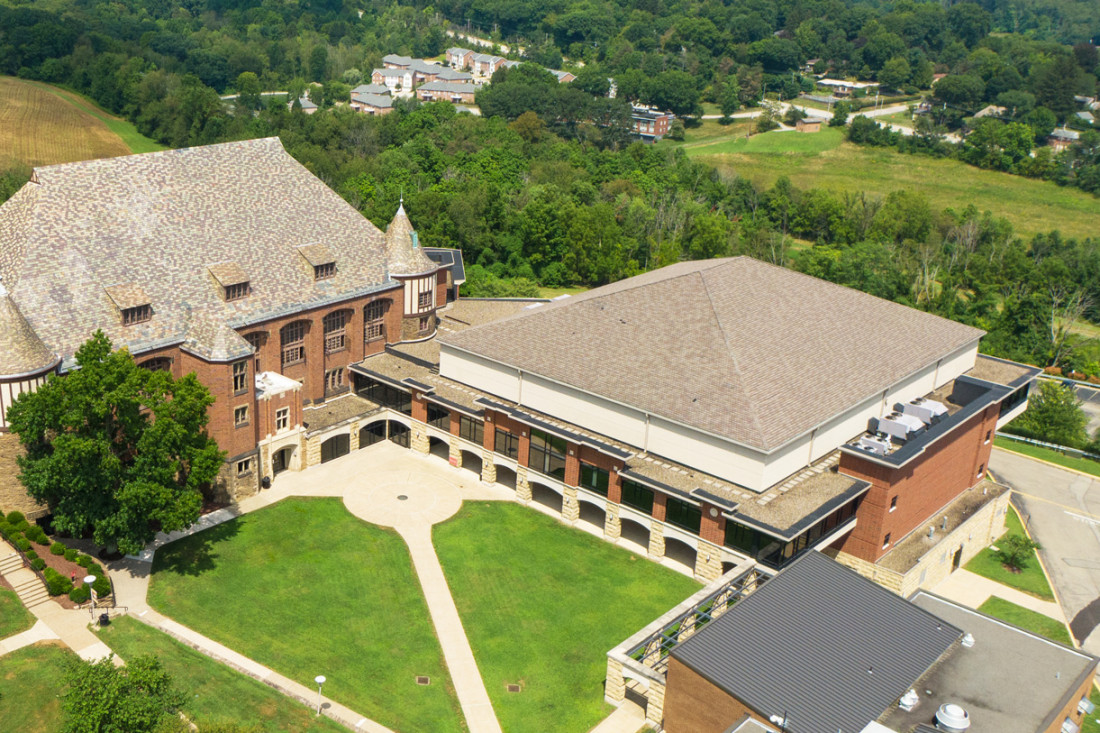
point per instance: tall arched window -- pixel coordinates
(157, 364)
(335, 325)
(374, 320)
(293, 341)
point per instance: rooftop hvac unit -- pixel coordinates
(878, 446)
(925, 410)
(952, 718)
(899, 425)
(909, 701)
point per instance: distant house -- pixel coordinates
(564, 77)
(393, 79)
(809, 124)
(447, 91)
(1086, 117)
(844, 88)
(992, 111)
(459, 58)
(808, 67)
(307, 106)
(650, 124)
(484, 64)
(1062, 138)
(372, 104)
(394, 61)
(370, 89)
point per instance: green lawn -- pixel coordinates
(1084, 465)
(542, 604)
(555, 292)
(1031, 579)
(824, 160)
(125, 129)
(215, 693)
(1025, 618)
(30, 680)
(1091, 723)
(13, 616)
(306, 589)
(709, 131)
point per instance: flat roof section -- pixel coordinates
(1010, 681)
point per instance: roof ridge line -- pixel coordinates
(733, 358)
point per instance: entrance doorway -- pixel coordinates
(281, 460)
(334, 447)
(957, 560)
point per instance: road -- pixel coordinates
(1062, 510)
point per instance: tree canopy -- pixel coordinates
(103, 698)
(116, 448)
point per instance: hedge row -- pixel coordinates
(15, 528)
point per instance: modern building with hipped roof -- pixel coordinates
(819, 649)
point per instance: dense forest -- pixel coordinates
(548, 187)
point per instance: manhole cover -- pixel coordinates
(402, 497)
(422, 680)
(513, 688)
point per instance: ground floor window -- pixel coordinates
(439, 417)
(547, 454)
(637, 496)
(244, 467)
(595, 479)
(683, 514)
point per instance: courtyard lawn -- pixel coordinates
(31, 679)
(13, 616)
(1031, 579)
(542, 604)
(306, 589)
(1025, 618)
(1084, 465)
(215, 693)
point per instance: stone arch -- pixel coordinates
(399, 432)
(334, 447)
(284, 459)
(506, 476)
(680, 552)
(439, 448)
(592, 514)
(633, 531)
(471, 461)
(728, 566)
(547, 496)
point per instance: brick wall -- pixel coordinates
(922, 487)
(693, 704)
(1070, 708)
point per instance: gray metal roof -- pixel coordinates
(821, 644)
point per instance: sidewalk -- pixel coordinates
(39, 632)
(971, 589)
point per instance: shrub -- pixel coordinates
(15, 517)
(57, 549)
(79, 594)
(38, 564)
(102, 584)
(7, 530)
(71, 554)
(22, 526)
(31, 554)
(56, 583)
(35, 534)
(86, 561)
(22, 543)
(1016, 551)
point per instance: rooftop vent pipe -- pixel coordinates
(952, 718)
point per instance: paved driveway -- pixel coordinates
(1062, 509)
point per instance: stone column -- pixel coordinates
(612, 529)
(353, 441)
(614, 686)
(708, 564)
(570, 507)
(313, 452)
(655, 708)
(523, 488)
(488, 468)
(455, 456)
(420, 442)
(656, 541)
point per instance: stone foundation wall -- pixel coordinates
(13, 497)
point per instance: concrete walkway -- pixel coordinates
(39, 632)
(971, 589)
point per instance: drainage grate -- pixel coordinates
(423, 680)
(402, 497)
(513, 688)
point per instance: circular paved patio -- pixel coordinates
(400, 500)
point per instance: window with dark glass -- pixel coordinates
(293, 338)
(240, 376)
(547, 454)
(439, 417)
(374, 324)
(282, 418)
(325, 271)
(507, 444)
(424, 300)
(157, 364)
(240, 416)
(683, 515)
(637, 496)
(471, 429)
(594, 479)
(334, 325)
(137, 314)
(385, 395)
(236, 291)
(425, 323)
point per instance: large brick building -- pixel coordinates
(701, 414)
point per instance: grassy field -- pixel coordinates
(13, 616)
(542, 604)
(42, 125)
(825, 160)
(1025, 618)
(555, 292)
(306, 589)
(709, 132)
(1031, 579)
(215, 693)
(1083, 465)
(30, 680)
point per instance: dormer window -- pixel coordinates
(322, 272)
(137, 314)
(321, 259)
(236, 292)
(232, 279)
(133, 303)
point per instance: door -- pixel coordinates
(281, 461)
(957, 560)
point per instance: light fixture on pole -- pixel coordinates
(320, 680)
(88, 580)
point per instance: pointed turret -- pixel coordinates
(402, 247)
(21, 351)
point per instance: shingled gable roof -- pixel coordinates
(158, 222)
(820, 643)
(738, 348)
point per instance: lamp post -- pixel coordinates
(320, 680)
(88, 580)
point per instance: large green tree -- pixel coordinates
(103, 698)
(116, 448)
(1054, 414)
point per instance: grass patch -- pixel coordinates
(555, 292)
(13, 616)
(709, 131)
(1084, 465)
(215, 693)
(306, 588)
(1032, 206)
(1025, 618)
(1031, 579)
(1091, 723)
(542, 604)
(30, 681)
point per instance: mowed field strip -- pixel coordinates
(44, 125)
(824, 160)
